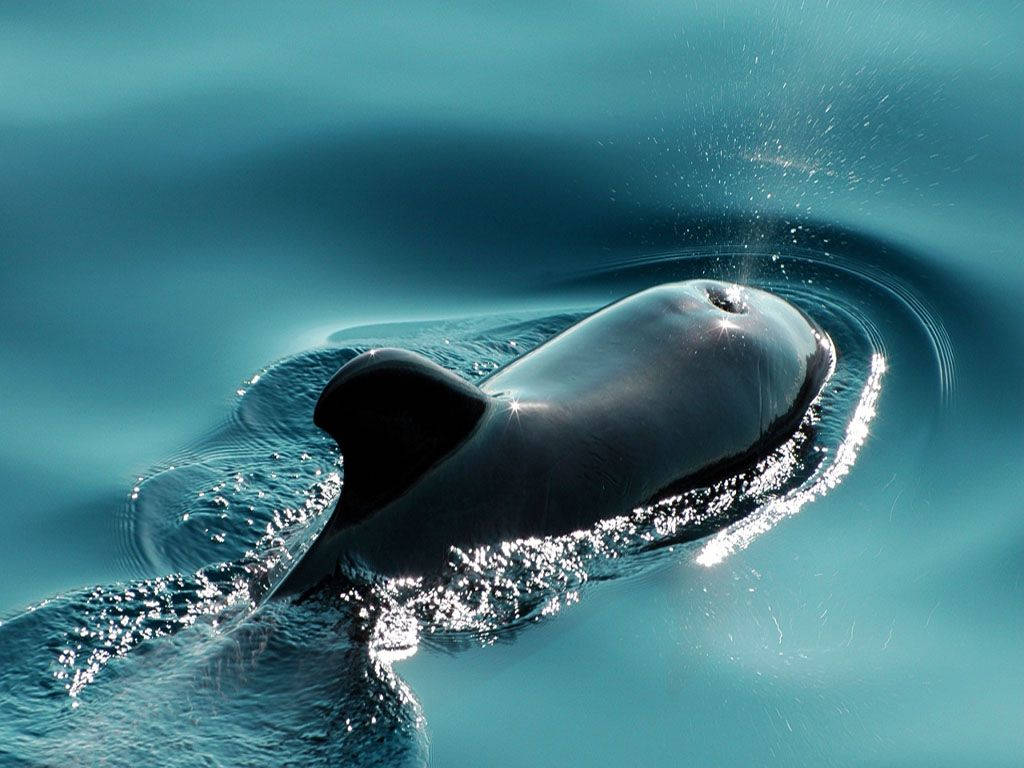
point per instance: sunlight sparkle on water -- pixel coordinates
(739, 535)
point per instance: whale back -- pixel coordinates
(665, 390)
(394, 414)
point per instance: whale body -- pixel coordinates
(667, 389)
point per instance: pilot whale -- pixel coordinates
(667, 389)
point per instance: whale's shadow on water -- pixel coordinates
(191, 662)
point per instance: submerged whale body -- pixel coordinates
(664, 390)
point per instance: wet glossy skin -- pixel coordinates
(665, 388)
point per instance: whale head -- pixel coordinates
(745, 330)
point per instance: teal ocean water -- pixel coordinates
(204, 211)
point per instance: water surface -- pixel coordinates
(197, 197)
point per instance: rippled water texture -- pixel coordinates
(207, 210)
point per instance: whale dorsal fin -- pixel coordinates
(394, 414)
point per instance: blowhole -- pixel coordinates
(727, 300)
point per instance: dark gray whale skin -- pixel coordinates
(667, 389)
